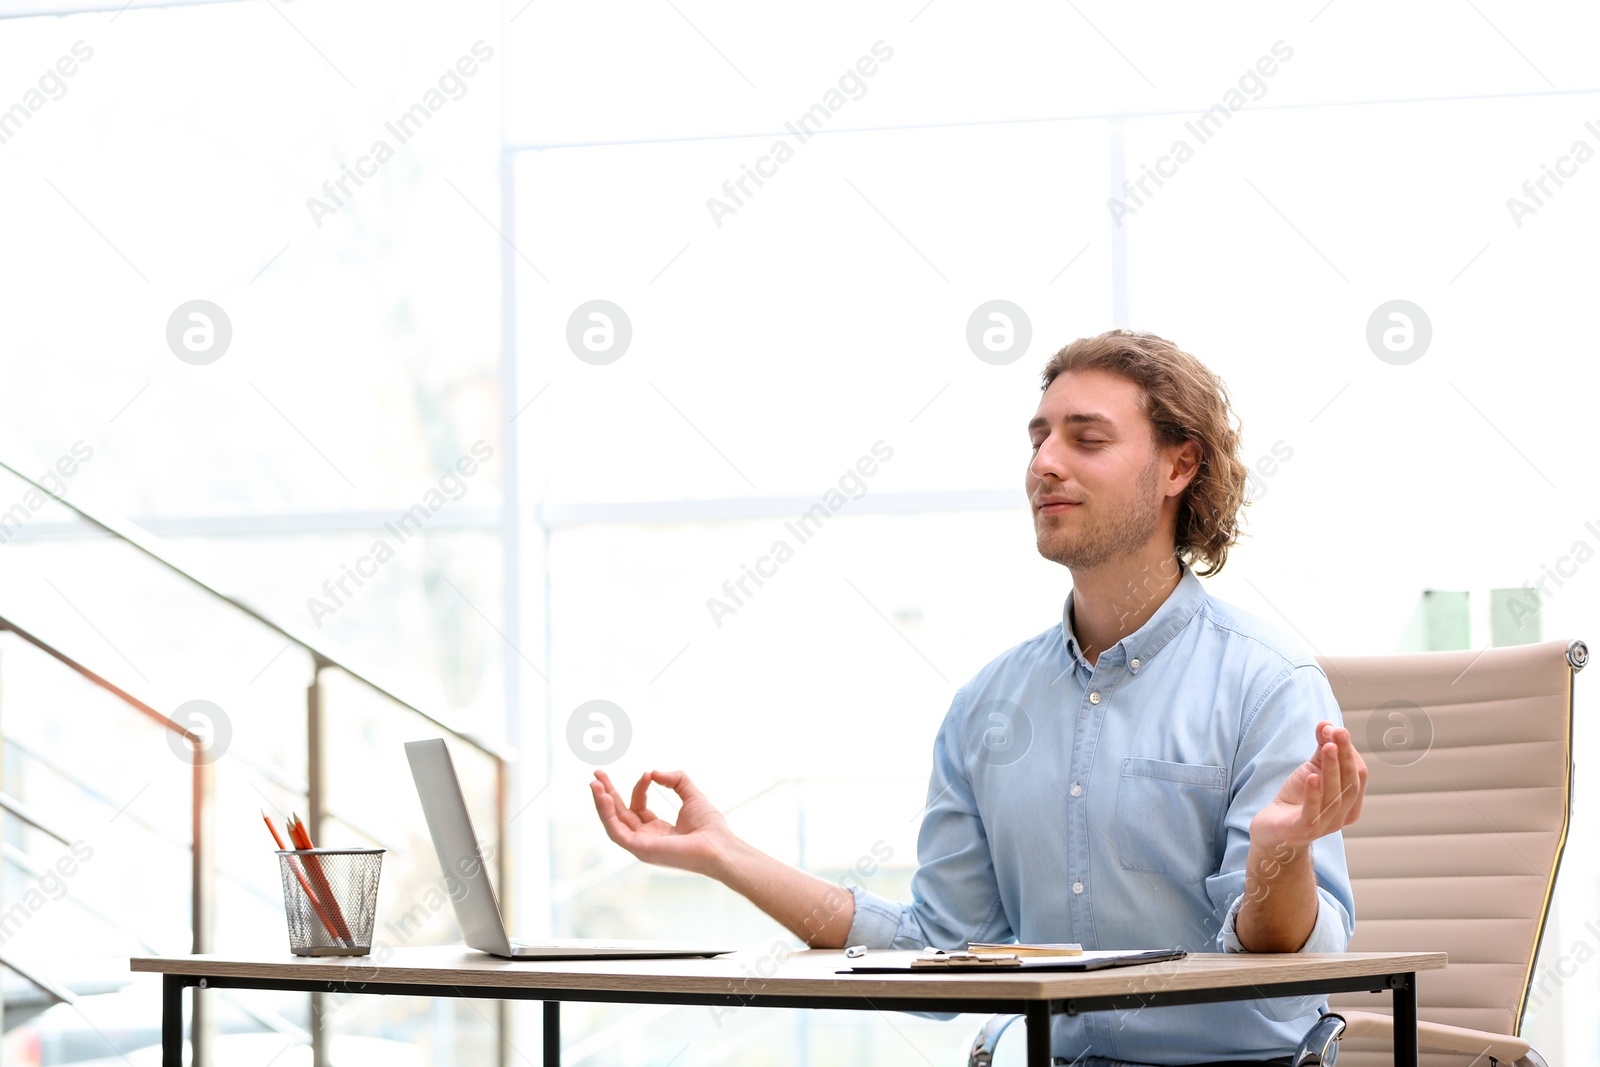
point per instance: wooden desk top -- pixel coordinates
(808, 973)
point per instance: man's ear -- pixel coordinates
(1185, 466)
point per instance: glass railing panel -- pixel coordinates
(85, 756)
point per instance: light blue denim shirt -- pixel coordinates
(1111, 805)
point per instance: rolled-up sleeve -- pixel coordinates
(1330, 934)
(877, 922)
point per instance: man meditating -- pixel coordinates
(1157, 769)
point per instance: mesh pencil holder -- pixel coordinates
(330, 899)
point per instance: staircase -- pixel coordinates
(146, 718)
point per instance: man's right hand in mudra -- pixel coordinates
(817, 911)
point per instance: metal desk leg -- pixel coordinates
(1405, 1021)
(1038, 1022)
(552, 1033)
(172, 987)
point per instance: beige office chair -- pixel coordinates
(1469, 788)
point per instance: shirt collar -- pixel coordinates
(1142, 645)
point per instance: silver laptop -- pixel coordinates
(477, 908)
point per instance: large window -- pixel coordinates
(667, 277)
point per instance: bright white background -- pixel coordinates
(827, 313)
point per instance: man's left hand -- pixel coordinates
(1321, 797)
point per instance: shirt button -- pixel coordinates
(1077, 790)
(1077, 887)
(1094, 697)
(1134, 664)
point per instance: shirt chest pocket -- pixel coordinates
(1168, 817)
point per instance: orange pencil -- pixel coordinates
(316, 904)
(302, 839)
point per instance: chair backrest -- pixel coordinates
(1469, 787)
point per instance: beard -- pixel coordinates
(1098, 539)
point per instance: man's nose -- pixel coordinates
(1047, 461)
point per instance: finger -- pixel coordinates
(620, 824)
(1350, 773)
(1332, 786)
(1313, 801)
(641, 796)
(1323, 737)
(610, 787)
(1347, 752)
(606, 806)
(679, 783)
(1348, 761)
(1361, 784)
(603, 804)
(618, 809)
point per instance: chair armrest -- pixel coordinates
(1502, 1047)
(983, 1046)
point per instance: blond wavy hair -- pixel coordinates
(1184, 401)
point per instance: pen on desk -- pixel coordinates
(294, 862)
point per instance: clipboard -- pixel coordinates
(1009, 963)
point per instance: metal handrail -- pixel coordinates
(135, 537)
(203, 870)
(12, 806)
(60, 994)
(115, 690)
